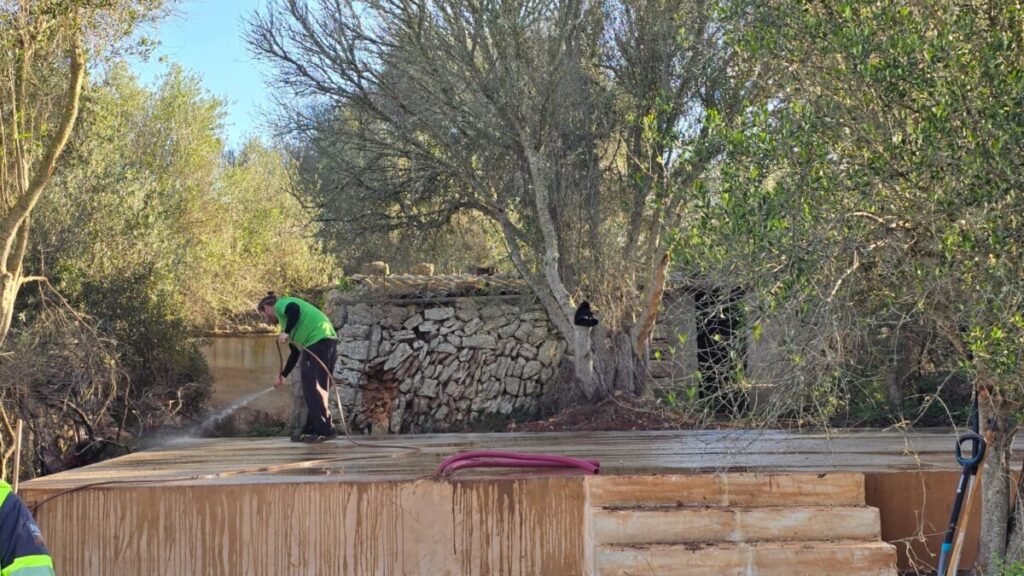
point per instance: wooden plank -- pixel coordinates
(763, 559)
(507, 527)
(766, 524)
(835, 489)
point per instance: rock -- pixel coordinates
(478, 403)
(354, 332)
(446, 348)
(347, 362)
(495, 323)
(401, 353)
(512, 385)
(532, 388)
(408, 369)
(449, 369)
(408, 383)
(536, 315)
(523, 333)
(427, 326)
(491, 389)
(502, 367)
(508, 330)
(517, 369)
(491, 312)
(467, 314)
(357, 350)
(527, 351)
(394, 316)
(480, 341)
(413, 322)
(349, 396)
(404, 336)
(454, 340)
(548, 353)
(472, 326)
(440, 413)
(360, 314)
(422, 269)
(454, 390)
(531, 370)
(438, 314)
(428, 389)
(348, 377)
(506, 404)
(339, 316)
(396, 416)
(375, 334)
(420, 405)
(509, 348)
(537, 335)
(546, 373)
(377, 268)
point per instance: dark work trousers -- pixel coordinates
(316, 385)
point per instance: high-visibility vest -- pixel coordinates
(22, 550)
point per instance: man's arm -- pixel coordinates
(293, 357)
(291, 320)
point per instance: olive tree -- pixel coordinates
(575, 127)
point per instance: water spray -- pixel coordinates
(224, 413)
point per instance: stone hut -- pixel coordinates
(436, 353)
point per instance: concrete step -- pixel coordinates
(759, 559)
(739, 524)
(728, 489)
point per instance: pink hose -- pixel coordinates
(496, 459)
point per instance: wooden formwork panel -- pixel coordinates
(729, 489)
(500, 526)
(701, 524)
(761, 559)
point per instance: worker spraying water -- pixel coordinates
(305, 326)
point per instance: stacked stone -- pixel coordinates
(426, 367)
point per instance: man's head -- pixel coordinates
(266, 308)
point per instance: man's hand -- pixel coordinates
(282, 338)
(279, 381)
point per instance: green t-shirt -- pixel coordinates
(313, 325)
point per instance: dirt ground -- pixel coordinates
(616, 413)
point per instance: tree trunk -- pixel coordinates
(15, 225)
(1015, 538)
(998, 430)
(906, 347)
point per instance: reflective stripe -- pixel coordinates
(37, 565)
(5, 489)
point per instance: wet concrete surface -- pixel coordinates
(267, 460)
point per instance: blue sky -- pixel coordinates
(205, 37)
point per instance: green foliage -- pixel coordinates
(153, 231)
(1011, 569)
(871, 209)
(147, 187)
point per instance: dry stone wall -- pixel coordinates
(441, 364)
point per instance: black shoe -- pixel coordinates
(318, 438)
(300, 436)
